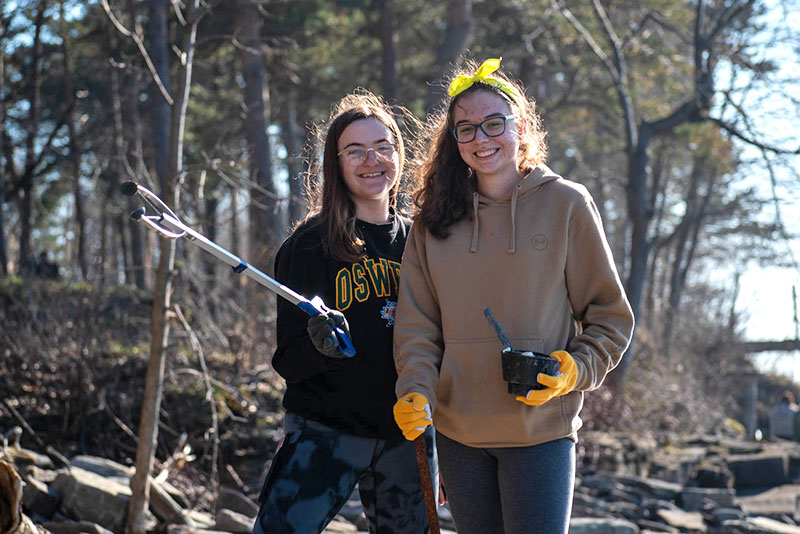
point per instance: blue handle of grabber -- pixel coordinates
(315, 307)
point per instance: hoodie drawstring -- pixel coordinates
(476, 227)
(512, 239)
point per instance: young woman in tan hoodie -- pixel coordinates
(495, 228)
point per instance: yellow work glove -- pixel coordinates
(556, 385)
(412, 413)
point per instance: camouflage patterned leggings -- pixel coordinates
(316, 468)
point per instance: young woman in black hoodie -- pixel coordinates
(339, 428)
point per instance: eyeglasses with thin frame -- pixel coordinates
(491, 127)
(357, 155)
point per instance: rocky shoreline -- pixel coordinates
(707, 484)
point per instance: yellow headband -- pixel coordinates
(462, 83)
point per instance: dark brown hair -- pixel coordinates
(331, 204)
(444, 183)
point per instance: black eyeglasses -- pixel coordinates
(492, 127)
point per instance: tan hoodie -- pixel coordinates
(540, 260)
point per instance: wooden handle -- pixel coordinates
(426, 484)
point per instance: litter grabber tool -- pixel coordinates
(165, 222)
(521, 368)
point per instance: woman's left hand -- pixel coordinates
(556, 385)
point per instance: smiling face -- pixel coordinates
(372, 180)
(494, 159)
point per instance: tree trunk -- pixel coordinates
(148, 427)
(141, 262)
(160, 109)
(134, 264)
(294, 144)
(25, 192)
(4, 149)
(74, 152)
(686, 235)
(457, 37)
(264, 216)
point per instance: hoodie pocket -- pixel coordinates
(471, 375)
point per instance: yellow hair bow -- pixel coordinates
(463, 82)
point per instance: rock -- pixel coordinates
(695, 499)
(713, 472)
(680, 519)
(184, 529)
(338, 525)
(770, 525)
(781, 500)
(759, 525)
(230, 521)
(603, 502)
(42, 475)
(24, 458)
(75, 527)
(653, 526)
(163, 505)
(40, 497)
(87, 496)
(727, 514)
(203, 520)
(759, 470)
(586, 525)
(103, 467)
(236, 501)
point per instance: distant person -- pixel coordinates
(339, 429)
(496, 228)
(783, 418)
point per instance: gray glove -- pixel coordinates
(320, 329)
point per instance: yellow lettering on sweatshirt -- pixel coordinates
(394, 269)
(379, 275)
(360, 282)
(361, 279)
(344, 289)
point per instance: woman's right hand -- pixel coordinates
(412, 413)
(321, 331)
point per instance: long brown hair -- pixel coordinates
(332, 208)
(444, 183)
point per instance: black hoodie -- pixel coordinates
(352, 395)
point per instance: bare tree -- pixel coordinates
(296, 145)
(74, 148)
(189, 17)
(713, 24)
(4, 142)
(264, 216)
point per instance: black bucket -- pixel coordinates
(521, 368)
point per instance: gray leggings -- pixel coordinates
(509, 489)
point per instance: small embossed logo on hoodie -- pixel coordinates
(539, 241)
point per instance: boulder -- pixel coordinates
(230, 521)
(586, 525)
(695, 499)
(236, 501)
(87, 496)
(39, 497)
(759, 470)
